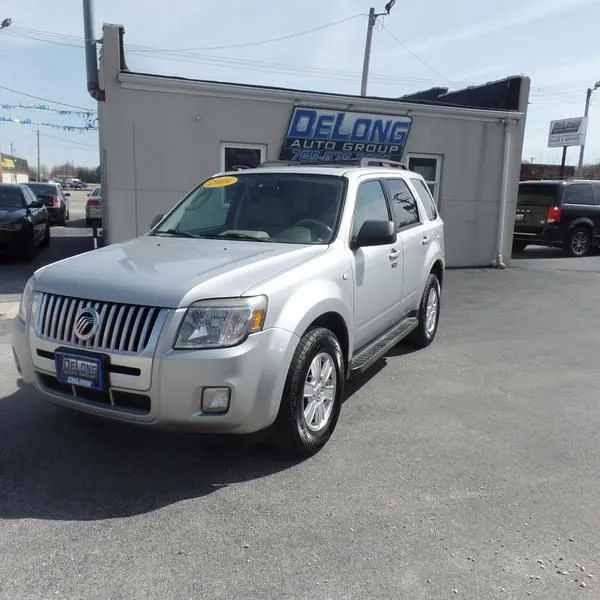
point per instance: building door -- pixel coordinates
(429, 166)
(238, 155)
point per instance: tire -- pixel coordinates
(28, 251)
(519, 246)
(88, 222)
(46, 241)
(424, 334)
(578, 242)
(294, 430)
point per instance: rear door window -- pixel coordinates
(580, 194)
(596, 188)
(542, 195)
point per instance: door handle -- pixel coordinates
(425, 240)
(394, 254)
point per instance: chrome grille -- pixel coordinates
(123, 327)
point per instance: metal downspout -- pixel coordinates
(498, 259)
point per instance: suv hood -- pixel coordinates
(171, 272)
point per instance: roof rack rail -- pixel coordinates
(362, 162)
(382, 162)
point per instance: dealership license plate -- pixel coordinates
(82, 370)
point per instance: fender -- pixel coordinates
(581, 221)
(313, 300)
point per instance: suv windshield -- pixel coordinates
(279, 207)
(542, 195)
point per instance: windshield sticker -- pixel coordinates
(220, 182)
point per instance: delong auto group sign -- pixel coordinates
(567, 132)
(323, 135)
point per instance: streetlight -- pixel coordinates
(588, 97)
(372, 20)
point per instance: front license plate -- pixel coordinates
(81, 370)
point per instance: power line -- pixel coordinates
(54, 137)
(43, 99)
(415, 55)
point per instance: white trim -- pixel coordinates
(438, 172)
(133, 81)
(244, 146)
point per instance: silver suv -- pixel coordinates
(246, 307)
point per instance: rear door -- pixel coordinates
(414, 230)
(581, 202)
(533, 203)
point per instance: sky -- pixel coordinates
(419, 45)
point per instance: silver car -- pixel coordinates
(245, 308)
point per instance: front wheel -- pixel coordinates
(46, 238)
(312, 396)
(578, 242)
(429, 314)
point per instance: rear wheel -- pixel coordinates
(46, 239)
(429, 315)
(312, 397)
(578, 242)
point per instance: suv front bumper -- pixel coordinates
(164, 387)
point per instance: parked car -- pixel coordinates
(93, 208)
(54, 199)
(557, 213)
(24, 223)
(246, 307)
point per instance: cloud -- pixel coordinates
(534, 11)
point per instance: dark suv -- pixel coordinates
(562, 214)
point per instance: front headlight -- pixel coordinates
(221, 323)
(12, 226)
(26, 300)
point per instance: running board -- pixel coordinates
(377, 348)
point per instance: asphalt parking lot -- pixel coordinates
(468, 470)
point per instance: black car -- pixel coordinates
(24, 223)
(54, 199)
(561, 214)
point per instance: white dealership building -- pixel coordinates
(160, 136)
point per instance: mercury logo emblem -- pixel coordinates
(87, 322)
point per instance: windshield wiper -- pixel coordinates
(177, 233)
(239, 236)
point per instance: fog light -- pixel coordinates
(215, 400)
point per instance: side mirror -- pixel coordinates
(36, 204)
(375, 233)
(157, 219)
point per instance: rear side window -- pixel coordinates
(426, 198)
(579, 193)
(542, 195)
(404, 204)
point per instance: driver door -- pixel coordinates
(377, 269)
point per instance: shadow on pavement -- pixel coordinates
(542, 252)
(61, 465)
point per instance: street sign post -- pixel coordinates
(567, 132)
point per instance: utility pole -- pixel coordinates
(367, 58)
(38, 155)
(588, 97)
(12, 154)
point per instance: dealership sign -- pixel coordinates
(323, 135)
(567, 132)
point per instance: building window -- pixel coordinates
(234, 155)
(429, 167)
